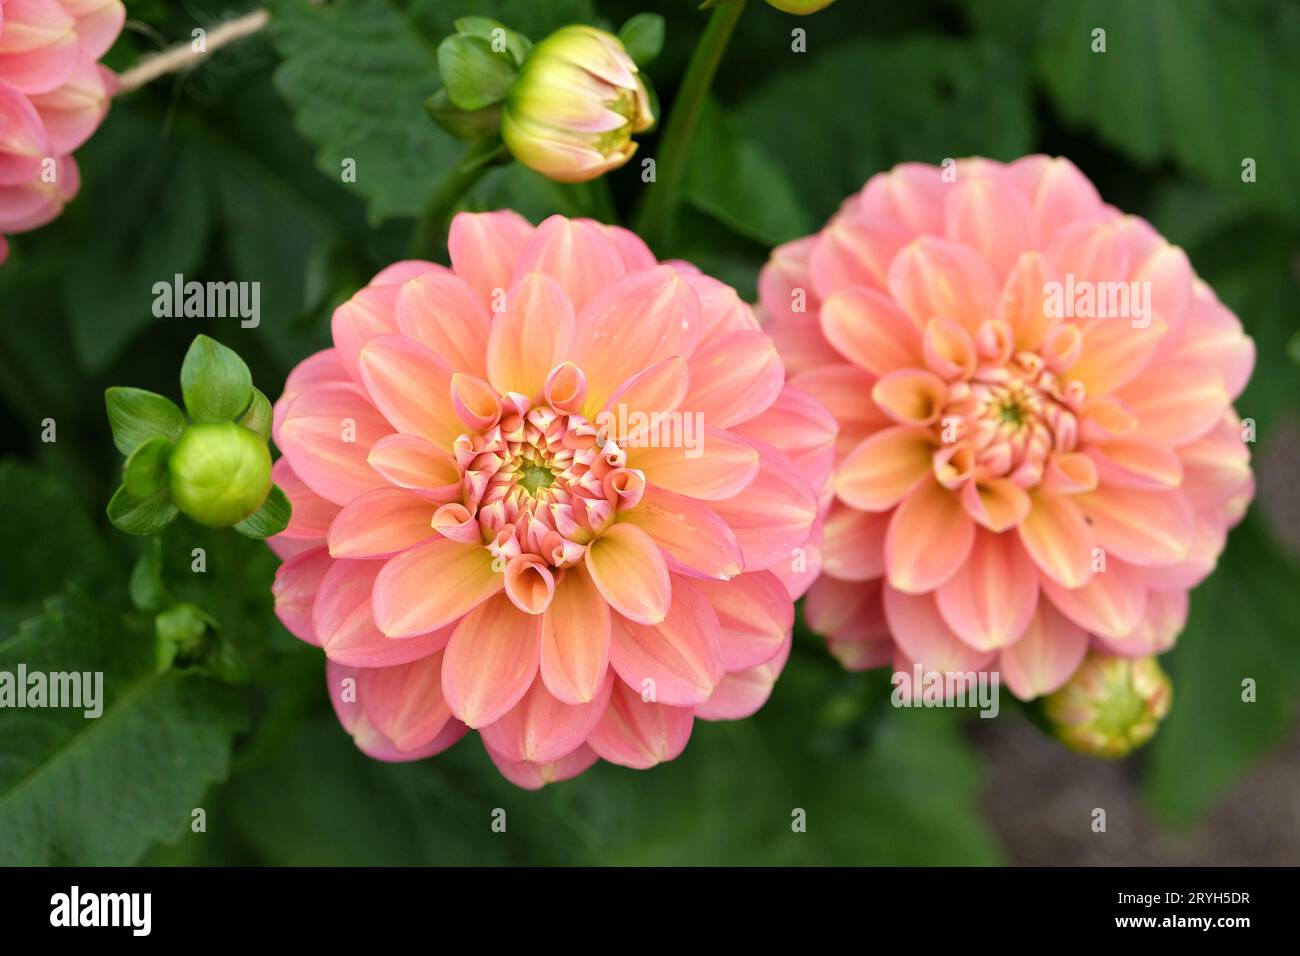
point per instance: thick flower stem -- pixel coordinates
(657, 214)
(429, 238)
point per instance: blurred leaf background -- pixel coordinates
(233, 172)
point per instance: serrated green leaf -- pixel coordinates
(272, 518)
(99, 791)
(145, 472)
(141, 515)
(643, 37)
(259, 415)
(215, 382)
(136, 415)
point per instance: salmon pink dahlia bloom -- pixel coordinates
(53, 95)
(558, 493)
(1037, 448)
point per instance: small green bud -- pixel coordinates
(801, 7)
(182, 625)
(219, 474)
(1111, 706)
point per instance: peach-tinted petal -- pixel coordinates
(852, 618)
(1136, 465)
(934, 278)
(742, 693)
(379, 524)
(989, 601)
(1058, 538)
(491, 661)
(845, 391)
(853, 546)
(577, 254)
(1175, 403)
(881, 470)
(993, 218)
(755, 616)
(639, 733)
(295, 587)
(1044, 658)
(407, 602)
(411, 462)
(717, 466)
(411, 387)
(925, 638)
(484, 248)
(1141, 527)
(949, 349)
(910, 396)
(629, 570)
(1110, 604)
(734, 377)
(928, 538)
(534, 776)
(773, 516)
(343, 620)
(855, 250)
(326, 434)
(311, 515)
(540, 729)
(800, 426)
(531, 336)
(405, 702)
(344, 683)
(1163, 619)
(695, 540)
(1115, 352)
(575, 639)
(440, 311)
(871, 331)
(998, 505)
(677, 661)
(372, 311)
(1023, 301)
(632, 324)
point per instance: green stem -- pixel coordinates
(430, 236)
(656, 216)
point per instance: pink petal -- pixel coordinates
(773, 517)
(629, 571)
(491, 661)
(540, 729)
(326, 434)
(532, 335)
(343, 620)
(855, 250)
(885, 467)
(871, 331)
(575, 639)
(411, 386)
(993, 218)
(484, 248)
(297, 582)
(719, 466)
(1110, 604)
(404, 703)
(741, 694)
(312, 514)
(734, 377)
(851, 616)
(1045, 657)
(842, 389)
(380, 523)
(755, 616)
(1058, 539)
(990, 600)
(577, 254)
(405, 602)
(443, 313)
(1141, 527)
(637, 733)
(695, 540)
(410, 462)
(853, 548)
(934, 278)
(929, 537)
(925, 638)
(532, 776)
(678, 661)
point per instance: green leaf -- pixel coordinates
(215, 382)
(517, 44)
(472, 74)
(732, 179)
(468, 126)
(1241, 626)
(47, 540)
(259, 415)
(145, 473)
(356, 74)
(99, 791)
(1200, 81)
(643, 37)
(148, 198)
(272, 518)
(858, 108)
(141, 515)
(136, 416)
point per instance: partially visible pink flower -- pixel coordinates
(53, 95)
(1021, 473)
(487, 532)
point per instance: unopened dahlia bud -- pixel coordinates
(219, 474)
(578, 99)
(801, 7)
(1111, 705)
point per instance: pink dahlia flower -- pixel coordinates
(557, 493)
(1037, 447)
(53, 95)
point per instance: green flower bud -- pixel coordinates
(801, 7)
(578, 99)
(1111, 705)
(219, 474)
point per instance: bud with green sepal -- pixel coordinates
(478, 63)
(1111, 706)
(214, 466)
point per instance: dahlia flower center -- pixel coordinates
(540, 484)
(1009, 418)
